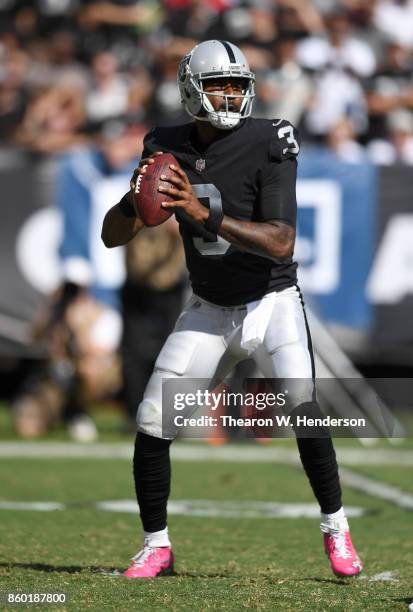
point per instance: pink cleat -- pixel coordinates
(151, 562)
(343, 557)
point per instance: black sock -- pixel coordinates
(319, 461)
(152, 474)
(320, 465)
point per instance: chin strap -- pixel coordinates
(218, 120)
(223, 121)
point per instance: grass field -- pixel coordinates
(236, 563)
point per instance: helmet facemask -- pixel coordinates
(228, 118)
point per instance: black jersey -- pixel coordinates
(250, 173)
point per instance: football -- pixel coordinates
(148, 199)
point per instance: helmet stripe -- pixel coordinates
(229, 51)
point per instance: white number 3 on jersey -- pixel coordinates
(287, 132)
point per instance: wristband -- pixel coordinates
(126, 208)
(213, 223)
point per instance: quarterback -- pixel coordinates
(235, 201)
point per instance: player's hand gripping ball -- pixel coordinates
(147, 197)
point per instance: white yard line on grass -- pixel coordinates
(193, 507)
(65, 450)
(200, 452)
(378, 489)
(37, 506)
(236, 454)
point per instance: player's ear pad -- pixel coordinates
(193, 100)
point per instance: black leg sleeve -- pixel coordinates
(152, 474)
(319, 461)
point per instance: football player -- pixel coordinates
(234, 198)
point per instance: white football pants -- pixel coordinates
(206, 344)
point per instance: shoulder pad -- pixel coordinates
(165, 138)
(149, 141)
(285, 141)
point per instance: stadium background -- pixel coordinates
(75, 74)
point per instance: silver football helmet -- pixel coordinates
(214, 59)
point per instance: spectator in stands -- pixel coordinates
(66, 69)
(251, 25)
(140, 92)
(120, 25)
(339, 61)
(300, 18)
(395, 19)
(285, 89)
(337, 94)
(193, 19)
(109, 92)
(342, 141)
(152, 298)
(390, 89)
(144, 16)
(398, 148)
(82, 325)
(339, 49)
(401, 136)
(13, 90)
(53, 120)
(165, 107)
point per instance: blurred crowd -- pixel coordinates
(341, 71)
